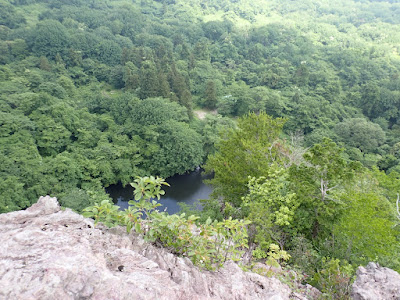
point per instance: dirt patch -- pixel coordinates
(201, 113)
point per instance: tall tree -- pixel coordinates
(248, 150)
(318, 183)
(360, 133)
(148, 81)
(180, 149)
(50, 38)
(210, 95)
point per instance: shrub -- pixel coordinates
(207, 245)
(334, 279)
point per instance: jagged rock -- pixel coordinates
(49, 253)
(376, 283)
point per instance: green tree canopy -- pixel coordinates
(248, 150)
(180, 149)
(50, 38)
(318, 182)
(360, 133)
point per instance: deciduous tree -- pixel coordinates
(248, 150)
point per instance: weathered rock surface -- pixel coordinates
(48, 253)
(376, 283)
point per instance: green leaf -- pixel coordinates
(129, 227)
(138, 228)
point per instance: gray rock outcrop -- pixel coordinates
(49, 253)
(376, 283)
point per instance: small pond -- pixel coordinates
(187, 188)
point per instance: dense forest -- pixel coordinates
(303, 126)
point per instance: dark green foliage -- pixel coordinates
(180, 149)
(210, 95)
(156, 111)
(108, 52)
(148, 81)
(387, 162)
(49, 39)
(361, 134)
(76, 199)
(9, 16)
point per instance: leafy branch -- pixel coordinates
(207, 245)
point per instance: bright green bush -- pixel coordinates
(271, 207)
(274, 257)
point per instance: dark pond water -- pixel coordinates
(187, 188)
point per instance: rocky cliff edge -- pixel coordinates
(49, 253)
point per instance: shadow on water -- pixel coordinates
(187, 188)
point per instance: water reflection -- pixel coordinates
(187, 188)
